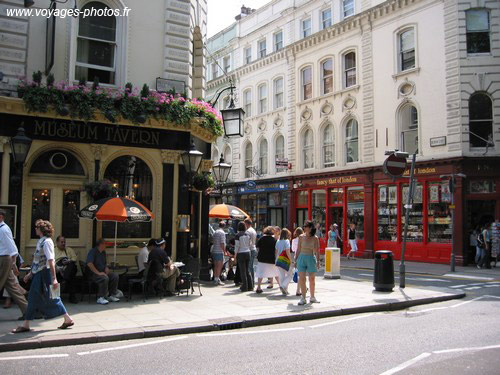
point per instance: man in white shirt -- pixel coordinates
(142, 257)
(253, 248)
(8, 255)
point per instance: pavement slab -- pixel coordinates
(217, 307)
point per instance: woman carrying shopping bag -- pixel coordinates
(283, 260)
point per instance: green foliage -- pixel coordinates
(203, 181)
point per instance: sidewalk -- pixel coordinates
(427, 268)
(219, 308)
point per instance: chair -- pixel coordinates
(154, 275)
(86, 280)
(193, 267)
(142, 281)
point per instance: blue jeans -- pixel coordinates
(251, 268)
(479, 254)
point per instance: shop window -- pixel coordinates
(247, 103)
(328, 146)
(349, 69)
(327, 76)
(57, 162)
(70, 219)
(406, 49)
(482, 187)
(439, 214)
(351, 141)
(416, 221)
(261, 211)
(40, 208)
(303, 198)
(133, 179)
(480, 120)
(306, 77)
(263, 159)
(308, 150)
(276, 217)
(409, 129)
(248, 204)
(302, 215)
(275, 199)
(356, 209)
(319, 211)
(96, 52)
(248, 160)
(478, 31)
(387, 213)
(337, 196)
(278, 93)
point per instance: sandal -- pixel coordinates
(258, 291)
(21, 329)
(66, 325)
(270, 286)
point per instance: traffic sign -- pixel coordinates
(395, 166)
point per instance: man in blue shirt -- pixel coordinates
(106, 280)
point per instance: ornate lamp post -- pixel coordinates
(221, 173)
(231, 116)
(20, 146)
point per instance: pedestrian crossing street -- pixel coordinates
(491, 284)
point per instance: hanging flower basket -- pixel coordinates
(203, 181)
(100, 189)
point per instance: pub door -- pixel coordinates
(336, 216)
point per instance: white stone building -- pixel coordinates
(331, 85)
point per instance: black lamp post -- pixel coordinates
(20, 146)
(221, 173)
(231, 116)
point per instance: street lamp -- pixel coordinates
(232, 116)
(191, 160)
(221, 173)
(20, 145)
(451, 178)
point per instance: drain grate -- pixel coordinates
(228, 326)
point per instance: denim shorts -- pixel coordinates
(218, 257)
(306, 263)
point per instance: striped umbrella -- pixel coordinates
(117, 209)
(226, 211)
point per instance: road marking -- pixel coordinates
(460, 276)
(249, 332)
(473, 288)
(466, 349)
(492, 286)
(458, 286)
(406, 364)
(340, 321)
(35, 357)
(132, 345)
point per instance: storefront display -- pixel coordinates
(416, 218)
(356, 209)
(438, 216)
(319, 211)
(387, 213)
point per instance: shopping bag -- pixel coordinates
(296, 276)
(283, 261)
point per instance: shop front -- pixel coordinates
(335, 199)
(266, 202)
(70, 160)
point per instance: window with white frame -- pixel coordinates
(406, 43)
(280, 147)
(227, 155)
(349, 69)
(348, 6)
(306, 78)
(262, 48)
(248, 160)
(409, 129)
(327, 76)
(262, 92)
(328, 146)
(306, 27)
(247, 102)
(351, 141)
(263, 159)
(478, 31)
(227, 63)
(97, 45)
(215, 70)
(326, 18)
(480, 120)
(248, 55)
(278, 92)
(308, 150)
(278, 40)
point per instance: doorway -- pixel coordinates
(276, 216)
(336, 216)
(479, 213)
(302, 214)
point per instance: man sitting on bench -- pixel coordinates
(169, 273)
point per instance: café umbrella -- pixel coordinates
(226, 211)
(117, 209)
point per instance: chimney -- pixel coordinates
(245, 11)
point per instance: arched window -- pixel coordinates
(262, 91)
(215, 154)
(478, 31)
(96, 52)
(248, 160)
(308, 150)
(480, 120)
(409, 129)
(351, 141)
(263, 159)
(328, 146)
(247, 102)
(228, 158)
(306, 81)
(327, 76)
(280, 147)
(132, 178)
(349, 69)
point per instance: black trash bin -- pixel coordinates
(383, 275)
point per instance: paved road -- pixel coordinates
(459, 337)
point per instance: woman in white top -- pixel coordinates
(44, 286)
(295, 246)
(242, 252)
(283, 251)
